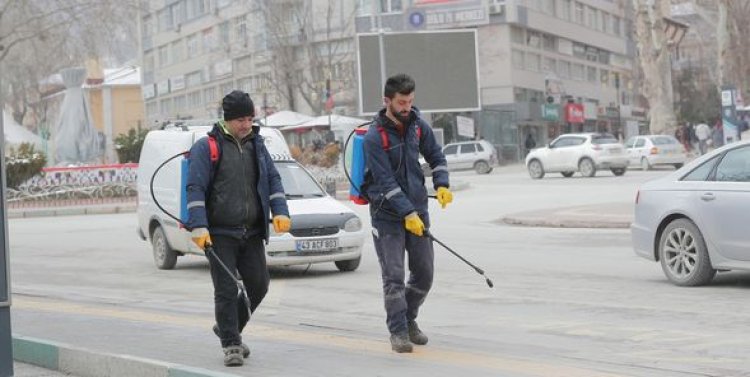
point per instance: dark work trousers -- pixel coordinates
(246, 255)
(402, 302)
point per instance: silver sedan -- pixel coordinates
(696, 220)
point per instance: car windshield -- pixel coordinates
(663, 140)
(297, 181)
(603, 139)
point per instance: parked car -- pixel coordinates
(479, 155)
(647, 151)
(695, 220)
(585, 153)
(323, 229)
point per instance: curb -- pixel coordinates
(547, 223)
(71, 211)
(85, 363)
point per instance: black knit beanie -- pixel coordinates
(237, 104)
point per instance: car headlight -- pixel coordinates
(353, 225)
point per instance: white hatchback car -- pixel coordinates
(695, 220)
(649, 150)
(478, 155)
(585, 153)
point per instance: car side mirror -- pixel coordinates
(550, 146)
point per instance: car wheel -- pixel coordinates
(536, 171)
(348, 265)
(645, 165)
(164, 256)
(587, 167)
(618, 171)
(567, 174)
(677, 166)
(482, 167)
(683, 254)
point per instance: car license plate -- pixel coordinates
(325, 244)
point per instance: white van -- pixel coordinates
(323, 229)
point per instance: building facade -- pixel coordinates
(288, 54)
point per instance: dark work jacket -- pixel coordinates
(235, 195)
(397, 185)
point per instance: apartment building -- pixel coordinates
(284, 53)
(546, 67)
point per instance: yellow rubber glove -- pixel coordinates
(281, 224)
(444, 196)
(201, 237)
(414, 224)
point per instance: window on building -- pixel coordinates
(517, 57)
(178, 51)
(195, 8)
(152, 109)
(579, 50)
(604, 75)
(549, 65)
(147, 27)
(616, 25)
(179, 104)
(576, 71)
(517, 35)
(166, 107)
(209, 39)
(592, 17)
(563, 69)
(222, 3)
(390, 6)
(549, 42)
(567, 6)
(245, 84)
(579, 13)
(591, 74)
(606, 24)
(164, 56)
(209, 95)
(178, 12)
(194, 99)
(533, 39)
(165, 19)
(193, 45)
(240, 28)
(224, 34)
(364, 7)
(193, 79)
(533, 62)
(604, 57)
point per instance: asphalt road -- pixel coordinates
(566, 302)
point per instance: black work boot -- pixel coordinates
(233, 356)
(400, 343)
(416, 335)
(245, 348)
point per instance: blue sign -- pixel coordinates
(416, 19)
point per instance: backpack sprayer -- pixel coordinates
(209, 249)
(357, 178)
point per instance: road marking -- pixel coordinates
(472, 360)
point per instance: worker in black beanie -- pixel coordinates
(232, 187)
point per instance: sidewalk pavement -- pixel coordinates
(28, 370)
(605, 215)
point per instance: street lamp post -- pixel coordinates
(6, 346)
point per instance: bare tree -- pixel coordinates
(40, 37)
(654, 55)
(310, 44)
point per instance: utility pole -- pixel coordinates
(6, 346)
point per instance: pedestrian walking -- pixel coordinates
(703, 134)
(230, 197)
(394, 183)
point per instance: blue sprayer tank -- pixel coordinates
(358, 167)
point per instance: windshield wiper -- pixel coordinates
(294, 196)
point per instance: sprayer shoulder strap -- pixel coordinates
(384, 135)
(213, 149)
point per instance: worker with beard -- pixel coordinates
(395, 186)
